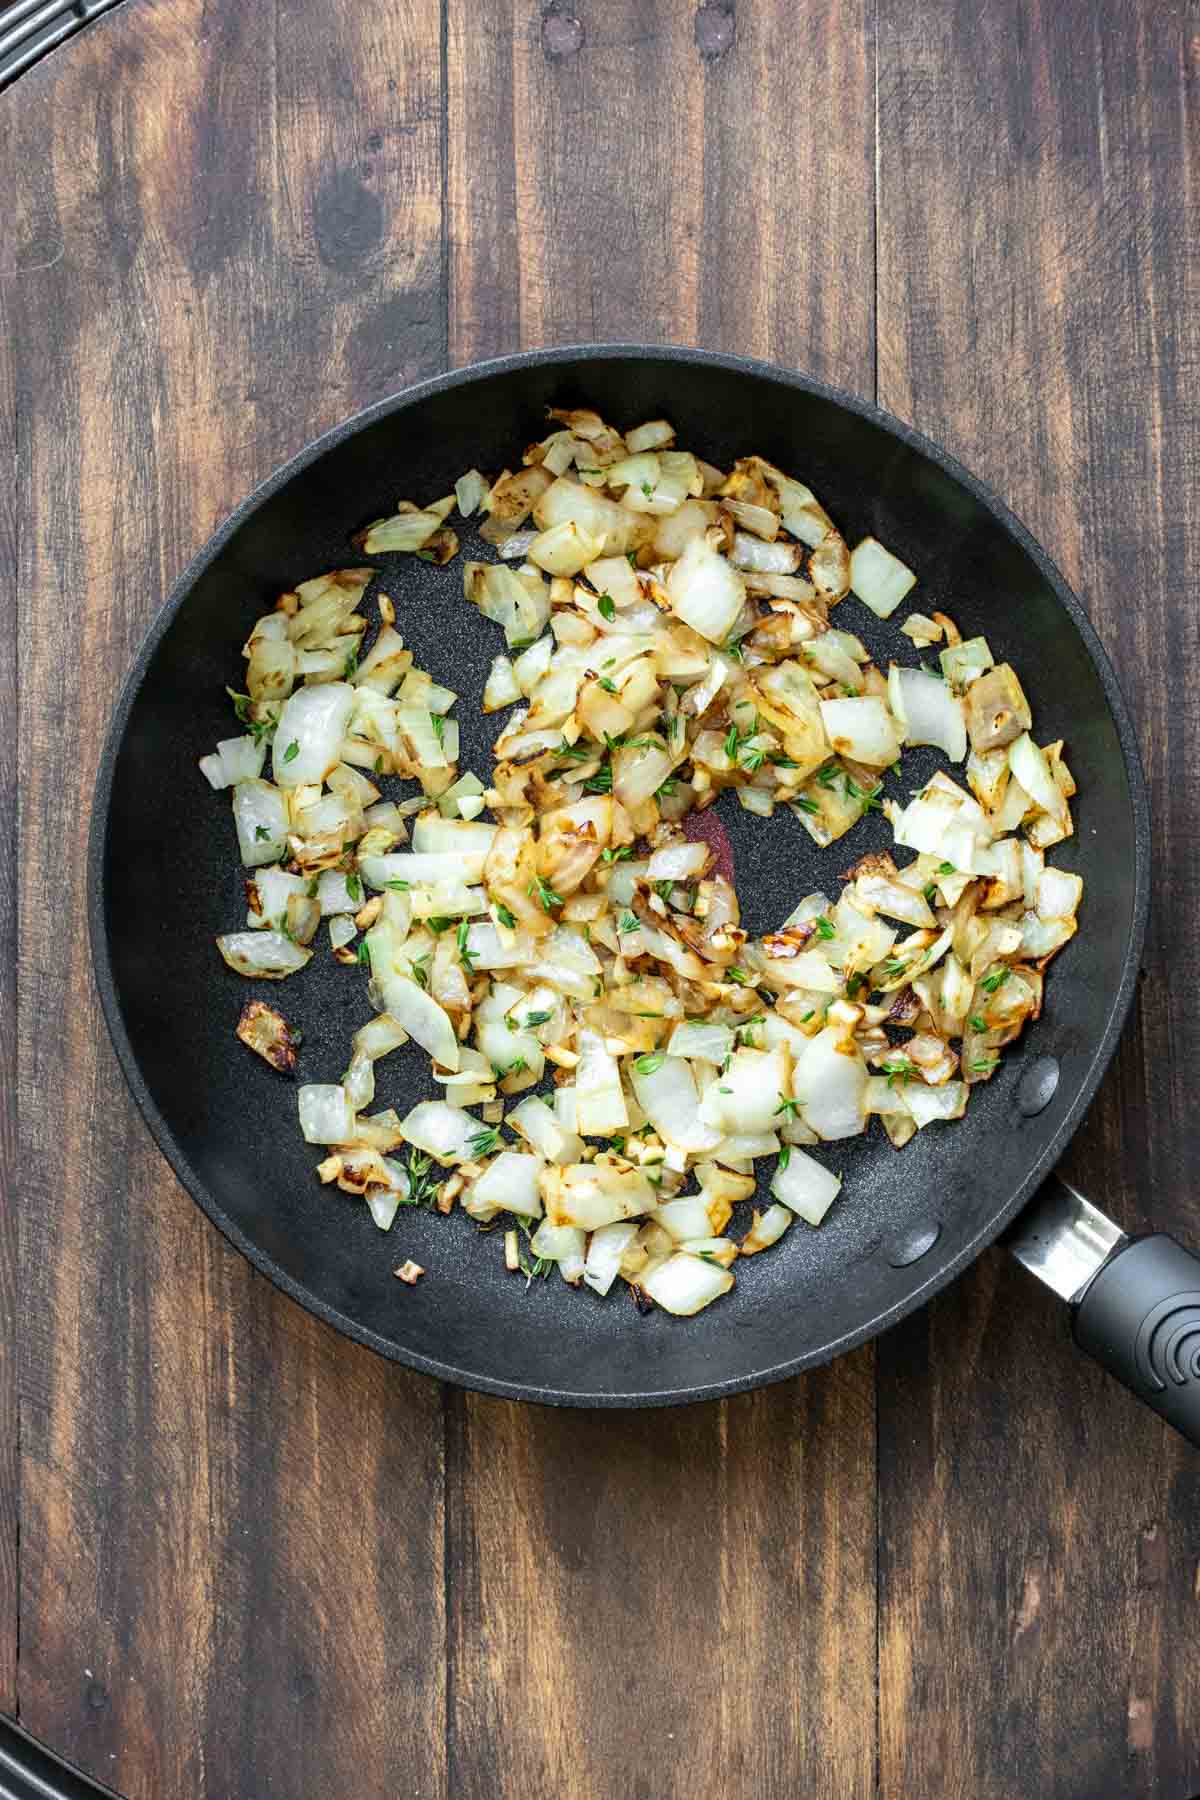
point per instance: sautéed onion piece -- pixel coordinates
(666, 635)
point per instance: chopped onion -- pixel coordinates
(600, 1104)
(669, 638)
(442, 1131)
(686, 1284)
(879, 579)
(308, 738)
(863, 729)
(829, 1080)
(608, 1245)
(510, 1184)
(562, 1244)
(928, 711)
(806, 1187)
(326, 1116)
(593, 1194)
(1029, 766)
(267, 955)
(666, 1093)
(705, 591)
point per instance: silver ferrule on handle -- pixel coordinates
(1062, 1238)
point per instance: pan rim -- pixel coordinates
(568, 355)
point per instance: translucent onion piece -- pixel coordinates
(1029, 766)
(666, 1093)
(862, 729)
(927, 710)
(562, 1244)
(593, 1194)
(600, 1104)
(608, 1245)
(241, 759)
(510, 1184)
(326, 1116)
(685, 1284)
(440, 1130)
(829, 1080)
(308, 738)
(265, 955)
(806, 1187)
(260, 817)
(705, 591)
(879, 579)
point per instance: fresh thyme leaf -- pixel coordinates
(610, 687)
(260, 832)
(483, 1143)
(505, 916)
(737, 975)
(785, 1156)
(787, 1106)
(398, 887)
(354, 888)
(825, 929)
(292, 751)
(534, 1019)
(350, 666)
(995, 980)
(977, 1024)
(541, 891)
(439, 727)
(364, 954)
(627, 923)
(606, 607)
(805, 804)
(646, 1065)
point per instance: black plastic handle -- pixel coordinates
(1140, 1318)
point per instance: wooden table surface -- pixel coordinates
(240, 1557)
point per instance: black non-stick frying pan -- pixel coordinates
(164, 880)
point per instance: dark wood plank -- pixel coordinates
(229, 223)
(1038, 315)
(10, 1459)
(641, 1600)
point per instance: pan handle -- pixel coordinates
(1139, 1316)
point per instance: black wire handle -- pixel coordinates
(30, 28)
(28, 1772)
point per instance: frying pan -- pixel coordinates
(165, 879)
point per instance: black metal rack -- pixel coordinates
(27, 1772)
(29, 28)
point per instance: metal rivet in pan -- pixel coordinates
(1038, 1086)
(911, 1245)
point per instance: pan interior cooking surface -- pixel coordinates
(166, 880)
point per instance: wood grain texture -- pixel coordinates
(1038, 314)
(627, 1591)
(10, 1457)
(228, 236)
